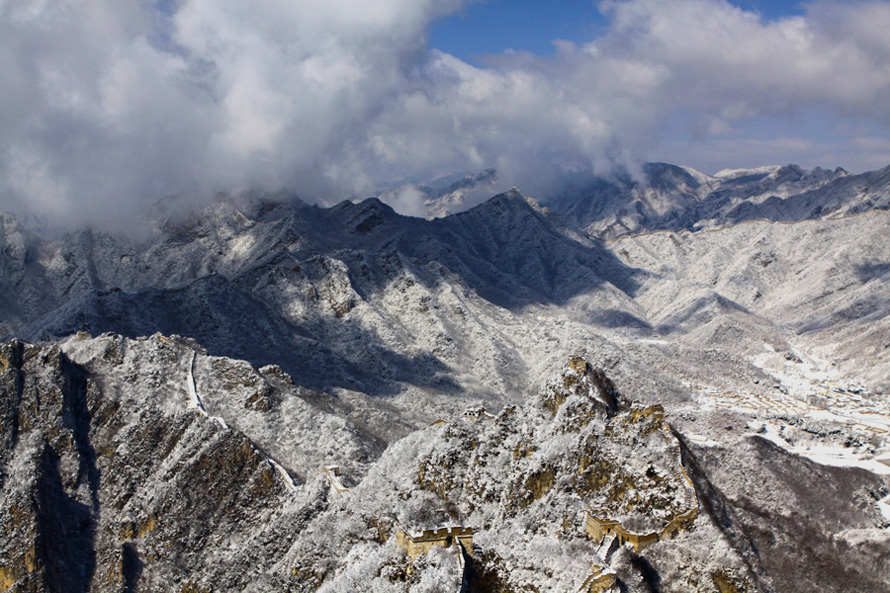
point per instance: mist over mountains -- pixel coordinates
(668, 197)
(107, 109)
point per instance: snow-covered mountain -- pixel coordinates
(668, 197)
(150, 465)
(189, 388)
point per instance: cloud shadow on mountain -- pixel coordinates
(510, 253)
(869, 272)
(231, 322)
(507, 251)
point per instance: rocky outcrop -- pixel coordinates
(108, 485)
(112, 479)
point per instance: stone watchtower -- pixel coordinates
(579, 365)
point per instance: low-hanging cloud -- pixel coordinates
(107, 106)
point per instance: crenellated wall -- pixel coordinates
(418, 544)
(598, 527)
(600, 580)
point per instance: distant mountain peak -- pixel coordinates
(678, 198)
(727, 174)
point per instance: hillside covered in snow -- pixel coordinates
(672, 384)
(668, 197)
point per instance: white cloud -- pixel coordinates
(107, 105)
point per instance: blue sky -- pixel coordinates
(809, 131)
(495, 26)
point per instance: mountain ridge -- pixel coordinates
(266, 396)
(672, 198)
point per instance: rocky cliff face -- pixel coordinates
(148, 466)
(111, 481)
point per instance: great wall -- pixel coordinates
(599, 527)
(608, 533)
(599, 580)
(418, 543)
(332, 473)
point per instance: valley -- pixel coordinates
(268, 395)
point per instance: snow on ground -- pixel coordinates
(194, 400)
(701, 440)
(885, 508)
(825, 454)
(807, 387)
(799, 375)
